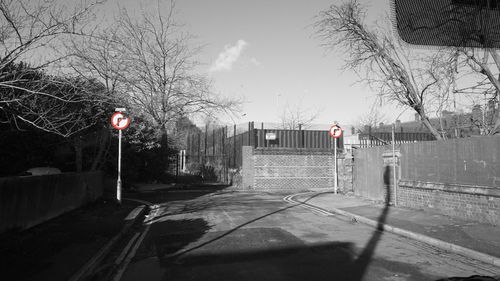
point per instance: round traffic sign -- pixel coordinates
(120, 121)
(335, 131)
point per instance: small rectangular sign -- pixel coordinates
(270, 136)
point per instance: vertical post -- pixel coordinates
(335, 184)
(119, 179)
(254, 136)
(205, 144)
(224, 160)
(234, 146)
(177, 167)
(394, 181)
(370, 135)
(249, 134)
(262, 139)
(300, 136)
(199, 148)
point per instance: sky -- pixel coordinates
(266, 52)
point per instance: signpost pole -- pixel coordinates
(119, 121)
(335, 184)
(119, 180)
(394, 180)
(335, 132)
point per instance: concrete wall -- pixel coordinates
(293, 169)
(27, 201)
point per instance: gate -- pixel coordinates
(369, 172)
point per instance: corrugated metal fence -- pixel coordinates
(467, 161)
(472, 161)
(223, 145)
(384, 138)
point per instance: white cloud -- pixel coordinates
(229, 56)
(255, 61)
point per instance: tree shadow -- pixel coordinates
(184, 193)
(296, 260)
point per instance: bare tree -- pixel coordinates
(295, 116)
(160, 80)
(29, 27)
(46, 102)
(60, 105)
(412, 80)
(372, 118)
(485, 63)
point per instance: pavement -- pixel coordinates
(477, 240)
(62, 247)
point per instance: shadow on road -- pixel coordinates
(185, 192)
(244, 252)
(264, 253)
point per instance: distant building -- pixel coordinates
(451, 124)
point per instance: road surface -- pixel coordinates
(227, 235)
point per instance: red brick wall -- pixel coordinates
(458, 177)
(473, 203)
(293, 169)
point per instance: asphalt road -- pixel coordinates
(223, 235)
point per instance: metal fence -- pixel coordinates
(223, 145)
(384, 138)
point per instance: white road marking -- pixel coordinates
(135, 212)
(154, 211)
(125, 250)
(131, 255)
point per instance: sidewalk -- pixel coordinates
(480, 237)
(57, 249)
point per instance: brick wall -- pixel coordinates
(475, 203)
(458, 177)
(293, 169)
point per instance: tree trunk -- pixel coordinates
(102, 147)
(431, 128)
(164, 148)
(77, 143)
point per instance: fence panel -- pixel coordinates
(226, 142)
(368, 172)
(474, 161)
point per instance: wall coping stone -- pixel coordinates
(388, 154)
(295, 151)
(452, 187)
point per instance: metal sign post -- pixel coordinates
(119, 179)
(335, 132)
(119, 121)
(336, 181)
